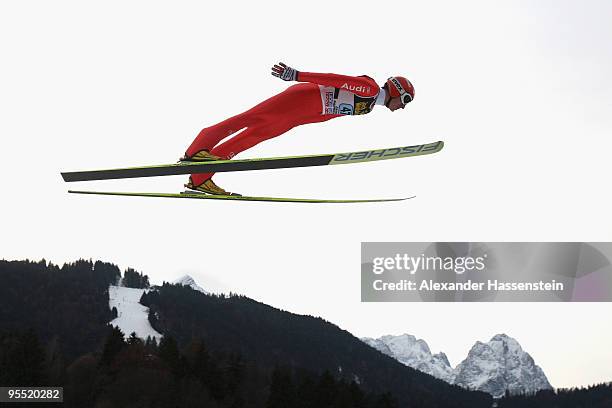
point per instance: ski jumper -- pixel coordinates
(320, 98)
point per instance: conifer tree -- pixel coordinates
(113, 345)
(282, 390)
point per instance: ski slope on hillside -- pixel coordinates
(131, 315)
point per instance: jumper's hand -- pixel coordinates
(284, 72)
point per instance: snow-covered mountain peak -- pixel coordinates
(407, 345)
(503, 343)
(442, 357)
(493, 367)
(502, 337)
(498, 366)
(414, 353)
(187, 280)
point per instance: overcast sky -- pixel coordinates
(520, 91)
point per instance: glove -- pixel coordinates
(284, 72)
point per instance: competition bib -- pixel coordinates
(341, 102)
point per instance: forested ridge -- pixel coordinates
(217, 351)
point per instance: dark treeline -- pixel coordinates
(596, 396)
(272, 337)
(66, 309)
(134, 279)
(54, 331)
(67, 305)
(132, 373)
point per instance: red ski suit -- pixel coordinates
(322, 97)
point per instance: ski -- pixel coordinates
(196, 195)
(255, 164)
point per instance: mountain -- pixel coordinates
(495, 367)
(224, 351)
(187, 280)
(498, 366)
(272, 338)
(414, 353)
(209, 344)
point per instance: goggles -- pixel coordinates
(404, 96)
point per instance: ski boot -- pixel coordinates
(208, 187)
(202, 155)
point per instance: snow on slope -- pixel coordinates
(131, 315)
